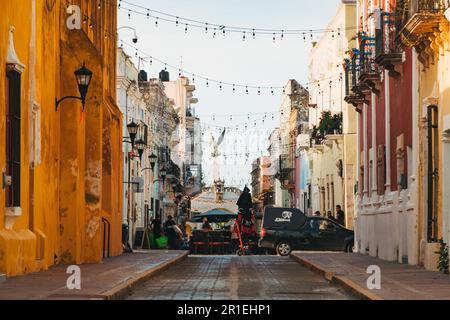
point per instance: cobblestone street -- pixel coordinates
(232, 277)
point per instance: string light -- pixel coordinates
(137, 51)
(138, 9)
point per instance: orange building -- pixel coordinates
(60, 199)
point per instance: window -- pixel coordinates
(13, 143)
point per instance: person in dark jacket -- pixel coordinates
(340, 215)
(245, 203)
(245, 217)
(171, 233)
(156, 226)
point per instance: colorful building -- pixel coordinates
(380, 79)
(60, 200)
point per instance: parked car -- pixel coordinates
(286, 229)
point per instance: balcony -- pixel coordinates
(353, 93)
(286, 173)
(369, 76)
(388, 51)
(421, 26)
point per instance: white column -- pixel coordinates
(374, 146)
(365, 152)
(387, 100)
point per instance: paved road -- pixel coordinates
(232, 277)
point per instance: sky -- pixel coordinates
(254, 62)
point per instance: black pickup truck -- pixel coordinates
(286, 229)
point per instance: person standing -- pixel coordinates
(172, 235)
(340, 214)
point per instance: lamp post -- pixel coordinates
(83, 77)
(132, 128)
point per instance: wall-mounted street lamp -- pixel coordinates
(163, 173)
(140, 146)
(84, 77)
(135, 38)
(153, 158)
(132, 128)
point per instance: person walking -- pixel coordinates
(340, 214)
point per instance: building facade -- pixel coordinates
(380, 80)
(60, 200)
(331, 152)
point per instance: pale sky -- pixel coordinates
(258, 62)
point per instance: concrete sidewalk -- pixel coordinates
(398, 281)
(108, 280)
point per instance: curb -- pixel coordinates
(122, 290)
(341, 281)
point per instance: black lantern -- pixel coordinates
(140, 145)
(132, 131)
(153, 158)
(83, 77)
(163, 174)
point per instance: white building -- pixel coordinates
(187, 138)
(136, 195)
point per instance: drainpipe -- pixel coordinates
(431, 176)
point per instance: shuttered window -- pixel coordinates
(13, 141)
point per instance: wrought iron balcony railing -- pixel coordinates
(286, 173)
(353, 94)
(388, 51)
(369, 75)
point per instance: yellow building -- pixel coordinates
(60, 199)
(426, 29)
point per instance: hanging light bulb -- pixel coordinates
(259, 91)
(282, 34)
(207, 82)
(304, 36)
(99, 6)
(156, 22)
(214, 34)
(243, 36)
(254, 34)
(186, 28)
(148, 14)
(246, 90)
(273, 38)
(234, 88)
(206, 28)
(193, 78)
(220, 86)
(176, 22)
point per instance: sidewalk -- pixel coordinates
(108, 280)
(398, 282)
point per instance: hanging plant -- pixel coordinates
(443, 264)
